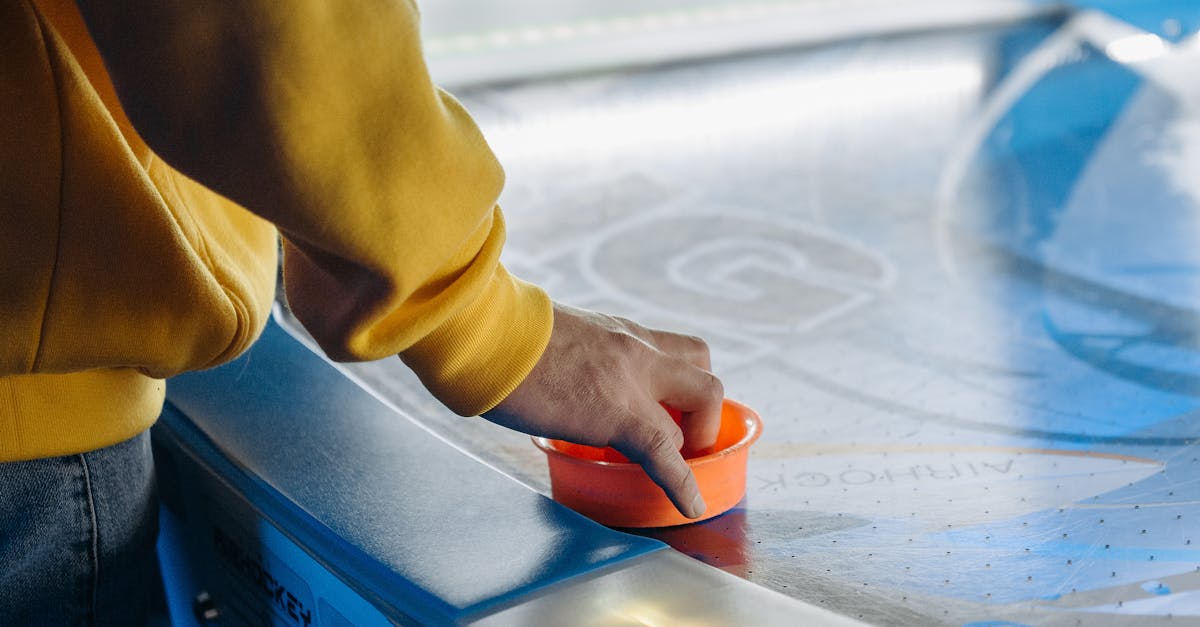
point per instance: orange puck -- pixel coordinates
(603, 485)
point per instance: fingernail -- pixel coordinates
(698, 506)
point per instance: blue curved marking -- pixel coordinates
(1170, 19)
(1040, 147)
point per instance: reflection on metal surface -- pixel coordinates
(1136, 48)
(967, 309)
(660, 590)
(469, 42)
(749, 107)
(1170, 67)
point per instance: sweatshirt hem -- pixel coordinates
(50, 415)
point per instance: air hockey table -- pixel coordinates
(956, 272)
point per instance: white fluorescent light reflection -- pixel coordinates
(1136, 48)
(745, 110)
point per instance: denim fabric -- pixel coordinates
(77, 538)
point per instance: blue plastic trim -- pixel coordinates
(410, 522)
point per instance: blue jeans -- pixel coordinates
(77, 538)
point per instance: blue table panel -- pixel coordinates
(418, 527)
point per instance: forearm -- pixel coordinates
(321, 117)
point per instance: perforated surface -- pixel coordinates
(956, 274)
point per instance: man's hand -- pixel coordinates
(601, 381)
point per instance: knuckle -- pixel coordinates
(649, 445)
(625, 324)
(659, 443)
(696, 344)
(713, 387)
(628, 344)
(680, 483)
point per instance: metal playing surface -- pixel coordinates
(958, 276)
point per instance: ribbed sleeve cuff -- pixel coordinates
(479, 356)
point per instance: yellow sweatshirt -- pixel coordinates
(118, 271)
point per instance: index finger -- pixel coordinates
(654, 448)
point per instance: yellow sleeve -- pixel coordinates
(321, 117)
(395, 245)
